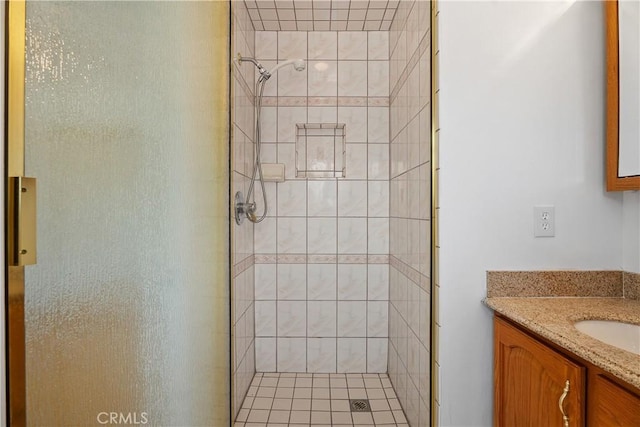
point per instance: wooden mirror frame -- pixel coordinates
(614, 182)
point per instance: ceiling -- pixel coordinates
(322, 15)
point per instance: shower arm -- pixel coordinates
(264, 74)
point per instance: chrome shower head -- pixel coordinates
(298, 65)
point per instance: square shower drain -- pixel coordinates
(359, 405)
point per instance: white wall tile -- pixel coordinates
(322, 198)
(352, 318)
(287, 119)
(292, 354)
(425, 135)
(323, 78)
(352, 45)
(378, 199)
(413, 142)
(378, 282)
(352, 236)
(321, 282)
(292, 281)
(378, 125)
(378, 78)
(323, 45)
(425, 373)
(378, 45)
(287, 156)
(322, 235)
(268, 154)
(425, 83)
(352, 78)
(414, 358)
(378, 236)
(266, 354)
(265, 324)
(321, 319)
(377, 319)
(352, 281)
(352, 198)
(356, 167)
(355, 119)
(265, 236)
(292, 318)
(378, 161)
(292, 235)
(413, 88)
(268, 125)
(414, 243)
(266, 45)
(292, 198)
(321, 355)
(322, 114)
(292, 82)
(292, 44)
(377, 355)
(424, 308)
(352, 355)
(265, 281)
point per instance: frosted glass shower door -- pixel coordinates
(126, 131)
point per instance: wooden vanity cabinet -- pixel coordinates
(534, 384)
(529, 381)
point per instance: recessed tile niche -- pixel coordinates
(320, 150)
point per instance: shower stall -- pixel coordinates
(335, 279)
(227, 191)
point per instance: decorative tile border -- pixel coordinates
(320, 259)
(241, 266)
(554, 284)
(411, 273)
(292, 101)
(631, 282)
(325, 101)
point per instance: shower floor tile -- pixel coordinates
(295, 400)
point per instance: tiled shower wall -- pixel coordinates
(321, 254)
(410, 210)
(243, 343)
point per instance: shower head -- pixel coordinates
(298, 65)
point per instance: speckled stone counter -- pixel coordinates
(553, 319)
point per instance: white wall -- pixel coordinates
(522, 124)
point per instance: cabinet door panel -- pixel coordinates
(610, 405)
(530, 378)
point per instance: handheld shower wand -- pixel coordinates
(245, 207)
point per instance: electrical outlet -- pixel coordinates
(544, 221)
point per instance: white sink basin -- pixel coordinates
(618, 334)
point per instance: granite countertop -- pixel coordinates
(553, 318)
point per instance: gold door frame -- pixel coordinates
(14, 275)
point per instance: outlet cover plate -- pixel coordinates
(544, 221)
